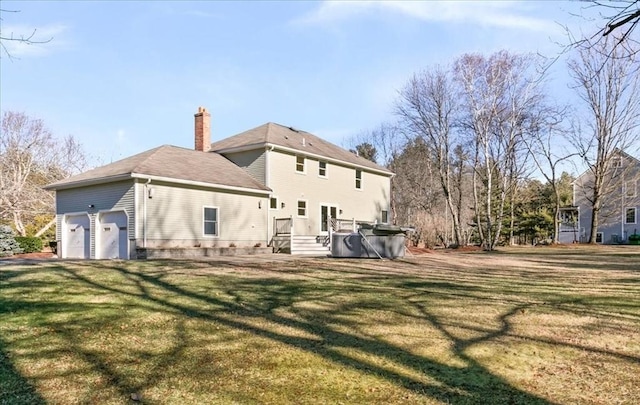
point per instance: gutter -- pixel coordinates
(127, 176)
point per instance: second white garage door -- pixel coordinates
(112, 240)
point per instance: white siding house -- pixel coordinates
(231, 193)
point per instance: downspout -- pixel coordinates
(144, 213)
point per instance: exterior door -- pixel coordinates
(113, 241)
(76, 243)
(325, 211)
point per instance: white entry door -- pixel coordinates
(325, 211)
(76, 243)
(112, 241)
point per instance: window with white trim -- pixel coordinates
(599, 237)
(300, 164)
(211, 221)
(273, 203)
(358, 179)
(302, 208)
(630, 215)
(630, 188)
(322, 169)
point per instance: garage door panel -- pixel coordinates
(113, 238)
(77, 236)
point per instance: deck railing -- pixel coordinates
(283, 226)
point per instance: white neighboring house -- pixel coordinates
(236, 192)
(619, 214)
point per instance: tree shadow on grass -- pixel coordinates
(258, 298)
(14, 388)
(330, 332)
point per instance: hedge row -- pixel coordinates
(29, 244)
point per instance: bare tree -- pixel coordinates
(622, 17)
(30, 157)
(547, 148)
(610, 90)
(28, 39)
(427, 107)
(497, 92)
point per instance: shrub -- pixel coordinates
(8, 244)
(29, 244)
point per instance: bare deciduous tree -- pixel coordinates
(30, 157)
(546, 144)
(610, 90)
(427, 107)
(497, 93)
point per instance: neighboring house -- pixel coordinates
(271, 185)
(618, 217)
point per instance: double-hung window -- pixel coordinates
(302, 208)
(358, 179)
(630, 216)
(300, 164)
(322, 169)
(211, 221)
(273, 203)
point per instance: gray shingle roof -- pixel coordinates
(276, 134)
(175, 163)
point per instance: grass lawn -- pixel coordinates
(522, 326)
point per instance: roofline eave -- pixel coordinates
(127, 176)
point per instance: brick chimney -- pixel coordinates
(202, 130)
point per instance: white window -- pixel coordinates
(358, 179)
(599, 237)
(322, 169)
(273, 203)
(630, 189)
(211, 221)
(617, 162)
(630, 215)
(302, 208)
(385, 217)
(300, 164)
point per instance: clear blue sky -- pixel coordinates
(124, 77)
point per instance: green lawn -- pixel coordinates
(534, 326)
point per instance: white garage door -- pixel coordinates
(76, 241)
(112, 241)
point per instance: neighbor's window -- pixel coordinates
(630, 215)
(358, 179)
(599, 237)
(273, 203)
(302, 208)
(385, 217)
(300, 164)
(630, 188)
(322, 169)
(617, 162)
(211, 221)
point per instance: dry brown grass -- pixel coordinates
(535, 325)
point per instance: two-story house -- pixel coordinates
(269, 186)
(620, 203)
